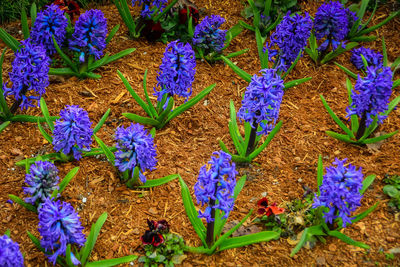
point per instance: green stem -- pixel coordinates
(211, 225)
(252, 139)
(362, 127)
(18, 102)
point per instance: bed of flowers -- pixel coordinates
(200, 133)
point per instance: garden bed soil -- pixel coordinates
(187, 142)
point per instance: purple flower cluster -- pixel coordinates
(51, 21)
(217, 185)
(340, 192)
(177, 71)
(90, 34)
(373, 58)
(208, 36)
(42, 180)
(149, 6)
(291, 37)
(262, 100)
(59, 226)
(73, 128)
(10, 255)
(371, 94)
(332, 23)
(135, 148)
(29, 74)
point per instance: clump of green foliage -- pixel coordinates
(392, 189)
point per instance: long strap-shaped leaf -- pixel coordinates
(146, 94)
(9, 40)
(240, 241)
(112, 58)
(44, 133)
(307, 234)
(354, 117)
(338, 51)
(244, 75)
(158, 182)
(366, 183)
(67, 60)
(296, 82)
(111, 262)
(142, 120)
(3, 104)
(347, 71)
(4, 125)
(102, 121)
(347, 239)
(379, 138)
(24, 23)
(46, 114)
(124, 12)
(112, 33)
(377, 26)
(70, 175)
(320, 173)
(22, 203)
(270, 136)
(30, 118)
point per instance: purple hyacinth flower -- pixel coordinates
(51, 21)
(10, 255)
(90, 34)
(331, 22)
(135, 148)
(373, 58)
(217, 184)
(29, 74)
(290, 37)
(208, 36)
(262, 100)
(72, 131)
(42, 180)
(340, 192)
(371, 94)
(148, 6)
(177, 71)
(59, 226)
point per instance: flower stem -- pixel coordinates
(362, 127)
(211, 225)
(19, 101)
(252, 140)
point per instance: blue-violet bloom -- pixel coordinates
(135, 148)
(42, 180)
(73, 128)
(208, 36)
(59, 226)
(340, 192)
(49, 22)
(149, 6)
(177, 71)
(371, 94)
(262, 100)
(373, 58)
(29, 74)
(10, 255)
(291, 37)
(90, 34)
(216, 183)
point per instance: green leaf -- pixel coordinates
(141, 120)
(10, 41)
(340, 50)
(360, 39)
(68, 255)
(260, 48)
(49, 157)
(158, 182)
(391, 191)
(233, 32)
(111, 262)
(46, 114)
(347, 71)
(244, 75)
(354, 117)
(92, 238)
(292, 65)
(182, 108)
(307, 234)
(164, 114)
(320, 173)
(165, 10)
(192, 212)
(22, 203)
(4, 125)
(66, 59)
(110, 156)
(3, 104)
(270, 136)
(341, 137)
(134, 94)
(149, 104)
(379, 138)
(44, 133)
(70, 175)
(364, 214)
(377, 26)
(394, 65)
(62, 71)
(246, 26)
(110, 59)
(123, 10)
(232, 116)
(234, 54)
(30, 118)
(367, 182)
(296, 82)
(24, 23)
(102, 121)
(35, 241)
(223, 146)
(336, 119)
(240, 241)
(33, 12)
(235, 139)
(347, 239)
(112, 33)
(247, 133)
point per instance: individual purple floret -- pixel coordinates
(73, 128)
(331, 23)
(371, 94)
(59, 226)
(51, 21)
(291, 37)
(177, 71)
(208, 35)
(340, 192)
(90, 34)
(10, 255)
(29, 74)
(148, 6)
(216, 185)
(42, 180)
(135, 148)
(262, 100)
(373, 58)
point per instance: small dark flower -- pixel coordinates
(373, 58)
(70, 7)
(264, 209)
(152, 30)
(208, 36)
(10, 255)
(183, 15)
(154, 236)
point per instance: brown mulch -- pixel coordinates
(187, 142)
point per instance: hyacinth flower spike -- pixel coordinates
(339, 194)
(175, 77)
(43, 182)
(62, 239)
(368, 106)
(135, 153)
(10, 255)
(217, 189)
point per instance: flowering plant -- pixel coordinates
(10, 255)
(368, 107)
(61, 232)
(176, 76)
(218, 189)
(339, 193)
(42, 180)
